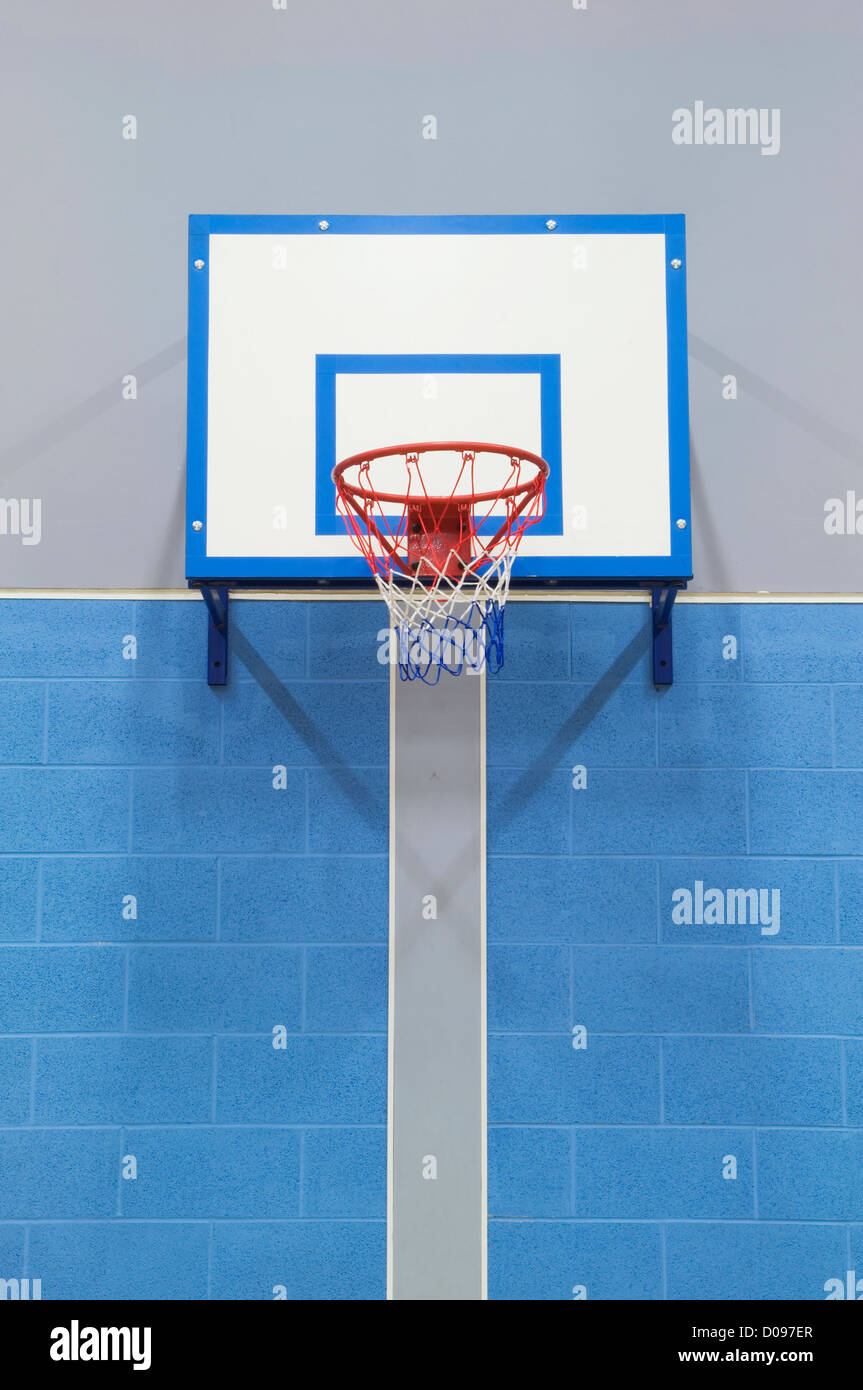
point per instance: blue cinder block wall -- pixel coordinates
(675, 1102)
(676, 1106)
(193, 972)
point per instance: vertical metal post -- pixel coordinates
(437, 1202)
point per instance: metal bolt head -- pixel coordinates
(197, 525)
(676, 264)
(324, 226)
(551, 224)
(199, 265)
(681, 524)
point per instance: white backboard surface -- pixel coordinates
(313, 343)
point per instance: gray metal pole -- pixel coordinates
(437, 1204)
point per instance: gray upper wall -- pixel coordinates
(245, 106)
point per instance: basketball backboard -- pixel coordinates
(316, 337)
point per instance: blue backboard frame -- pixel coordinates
(575, 571)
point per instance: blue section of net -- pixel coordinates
(470, 643)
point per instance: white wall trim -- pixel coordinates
(326, 595)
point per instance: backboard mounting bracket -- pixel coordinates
(216, 598)
(661, 604)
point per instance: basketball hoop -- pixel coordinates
(440, 537)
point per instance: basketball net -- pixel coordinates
(442, 554)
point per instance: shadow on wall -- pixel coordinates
(312, 736)
(557, 747)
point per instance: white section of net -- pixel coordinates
(433, 601)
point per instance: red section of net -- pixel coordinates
(428, 536)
